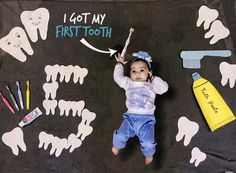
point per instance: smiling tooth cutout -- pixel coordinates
(14, 42)
(13, 139)
(34, 21)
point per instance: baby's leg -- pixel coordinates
(121, 136)
(146, 137)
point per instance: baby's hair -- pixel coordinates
(139, 59)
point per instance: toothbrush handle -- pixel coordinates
(27, 99)
(20, 99)
(8, 104)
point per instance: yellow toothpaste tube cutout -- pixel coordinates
(215, 110)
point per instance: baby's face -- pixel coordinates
(139, 71)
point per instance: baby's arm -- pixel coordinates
(119, 77)
(160, 86)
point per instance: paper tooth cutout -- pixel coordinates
(197, 156)
(218, 31)
(34, 21)
(73, 142)
(66, 106)
(83, 131)
(186, 129)
(51, 72)
(57, 144)
(228, 73)
(192, 59)
(50, 89)
(14, 42)
(87, 117)
(14, 139)
(65, 73)
(207, 16)
(50, 106)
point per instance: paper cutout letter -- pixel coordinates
(186, 129)
(14, 42)
(14, 139)
(228, 73)
(34, 21)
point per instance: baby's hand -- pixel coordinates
(121, 59)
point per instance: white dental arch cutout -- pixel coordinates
(77, 107)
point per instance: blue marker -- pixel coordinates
(20, 95)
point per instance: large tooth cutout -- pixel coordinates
(206, 16)
(14, 139)
(14, 42)
(50, 89)
(197, 156)
(34, 21)
(186, 129)
(218, 31)
(228, 73)
(50, 106)
(52, 72)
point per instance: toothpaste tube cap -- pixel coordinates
(21, 124)
(196, 76)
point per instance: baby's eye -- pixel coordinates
(133, 71)
(142, 70)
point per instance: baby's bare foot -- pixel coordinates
(148, 160)
(115, 150)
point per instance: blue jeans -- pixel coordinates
(140, 125)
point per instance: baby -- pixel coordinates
(140, 90)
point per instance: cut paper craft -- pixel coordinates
(34, 21)
(50, 106)
(192, 59)
(206, 16)
(50, 89)
(14, 139)
(215, 110)
(73, 142)
(84, 130)
(197, 156)
(75, 106)
(218, 31)
(14, 42)
(51, 72)
(65, 73)
(87, 117)
(186, 129)
(57, 144)
(228, 73)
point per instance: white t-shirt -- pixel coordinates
(140, 96)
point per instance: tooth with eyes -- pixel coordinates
(73, 142)
(50, 106)
(50, 89)
(52, 72)
(79, 74)
(14, 139)
(14, 42)
(34, 21)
